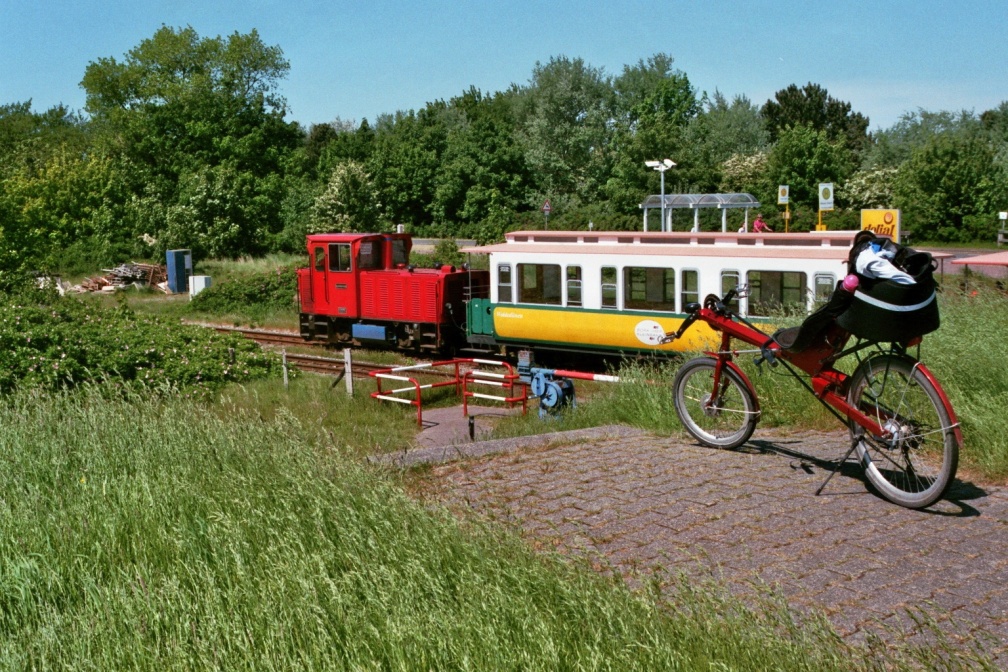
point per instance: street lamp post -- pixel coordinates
(661, 167)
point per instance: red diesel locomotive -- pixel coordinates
(360, 289)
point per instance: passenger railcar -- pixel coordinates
(360, 289)
(620, 292)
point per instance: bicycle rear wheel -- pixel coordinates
(915, 464)
(722, 418)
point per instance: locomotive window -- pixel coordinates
(690, 288)
(771, 291)
(339, 257)
(539, 283)
(648, 288)
(504, 294)
(730, 281)
(608, 287)
(319, 254)
(369, 255)
(399, 253)
(573, 285)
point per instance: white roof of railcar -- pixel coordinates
(818, 245)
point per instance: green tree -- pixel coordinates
(483, 168)
(50, 188)
(802, 158)
(343, 143)
(348, 203)
(948, 183)
(29, 139)
(723, 131)
(996, 122)
(871, 188)
(182, 112)
(404, 164)
(812, 106)
(654, 105)
(894, 146)
(566, 134)
(746, 173)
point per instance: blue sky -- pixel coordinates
(353, 60)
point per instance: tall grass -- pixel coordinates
(154, 534)
(967, 356)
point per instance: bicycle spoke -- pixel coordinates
(914, 460)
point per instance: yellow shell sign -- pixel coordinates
(825, 196)
(882, 222)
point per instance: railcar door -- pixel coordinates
(319, 286)
(340, 286)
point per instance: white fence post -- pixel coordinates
(348, 371)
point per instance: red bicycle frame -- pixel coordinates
(828, 384)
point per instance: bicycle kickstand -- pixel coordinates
(853, 445)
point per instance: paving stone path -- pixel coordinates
(637, 502)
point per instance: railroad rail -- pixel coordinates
(265, 336)
(331, 366)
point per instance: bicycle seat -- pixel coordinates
(813, 330)
(787, 337)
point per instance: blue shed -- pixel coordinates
(179, 269)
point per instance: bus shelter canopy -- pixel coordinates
(723, 202)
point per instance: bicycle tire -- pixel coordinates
(915, 466)
(727, 424)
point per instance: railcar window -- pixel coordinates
(608, 286)
(573, 285)
(399, 253)
(319, 254)
(649, 288)
(369, 256)
(729, 281)
(504, 294)
(539, 283)
(824, 286)
(339, 257)
(771, 291)
(690, 288)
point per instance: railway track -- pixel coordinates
(265, 336)
(331, 366)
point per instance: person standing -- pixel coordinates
(759, 226)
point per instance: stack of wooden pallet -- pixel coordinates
(124, 275)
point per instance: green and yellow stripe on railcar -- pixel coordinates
(580, 329)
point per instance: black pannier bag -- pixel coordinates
(886, 310)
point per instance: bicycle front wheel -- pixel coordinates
(915, 460)
(721, 418)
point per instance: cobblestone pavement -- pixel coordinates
(635, 502)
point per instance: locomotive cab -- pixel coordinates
(359, 289)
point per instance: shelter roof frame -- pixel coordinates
(695, 202)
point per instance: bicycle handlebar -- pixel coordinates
(712, 303)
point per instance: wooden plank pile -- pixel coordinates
(125, 275)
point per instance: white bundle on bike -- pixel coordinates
(874, 262)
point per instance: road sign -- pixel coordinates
(547, 207)
(782, 195)
(825, 196)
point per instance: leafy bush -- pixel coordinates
(62, 343)
(446, 252)
(250, 294)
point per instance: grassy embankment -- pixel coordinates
(167, 533)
